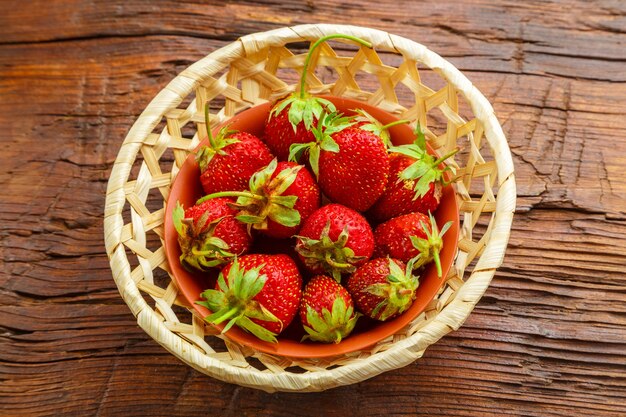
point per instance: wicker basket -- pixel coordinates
(258, 68)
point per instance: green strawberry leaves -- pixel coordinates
(430, 247)
(265, 200)
(303, 109)
(283, 180)
(262, 177)
(425, 169)
(397, 293)
(272, 204)
(330, 326)
(332, 256)
(371, 124)
(234, 301)
(328, 124)
(216, 144)
(284, 215)
(177, 218)
(200, 249)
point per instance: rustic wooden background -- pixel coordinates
(548, 338)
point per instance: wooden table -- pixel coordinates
(547, 339)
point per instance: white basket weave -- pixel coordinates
(248, 72)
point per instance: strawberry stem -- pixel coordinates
(208, 126)
(437, 262)
(396, 123)
(334, 263)
(443, 158)
(228, 315)
(229, 194)
(307, 61)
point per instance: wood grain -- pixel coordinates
(548, 338)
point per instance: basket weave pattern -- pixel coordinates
(246, 73)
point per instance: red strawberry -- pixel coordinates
(287, 126)
(383, 288)
(280, 197)
(209, 235)
(291, 119)
(398, 196)
(409, 236)
(415, 181)
(230, 159)
(351, 163)
(335, 239)
(356, 174)
(326, 310)
(259, 293)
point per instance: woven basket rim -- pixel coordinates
(402, 352)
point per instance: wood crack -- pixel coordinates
(101, 36)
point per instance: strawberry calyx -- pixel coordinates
(397, 293)
(330, 326)
(371, 124)
(265, 200)
(234, 301)
(331, 256)
(303, 106)
(430, 247)
(425, 169)
(216, 143)
(328, 124)
(305, 109)
(199, 248)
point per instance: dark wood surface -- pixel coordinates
(547, 339)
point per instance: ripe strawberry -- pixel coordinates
(383, 288)
(335, 239)
(280, 197)
(415, 181)
(287, 124)
(209, 235)
(292, 119)
(356, 174)
(409, 236)
(326, 310)
(351, 163)
(230, 159)
(259, 293)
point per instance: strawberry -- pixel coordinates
(326, 310)
(259, 293)
(335, 239)
(351, 163)
(230, 159)
(409, 236)
(415, 181)
(383, 288)
(209, 235)
(356, 174)
(280, 197)
(289, 124)
(291, 119)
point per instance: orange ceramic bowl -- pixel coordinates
(187, 189)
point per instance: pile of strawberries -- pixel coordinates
(318, 180)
